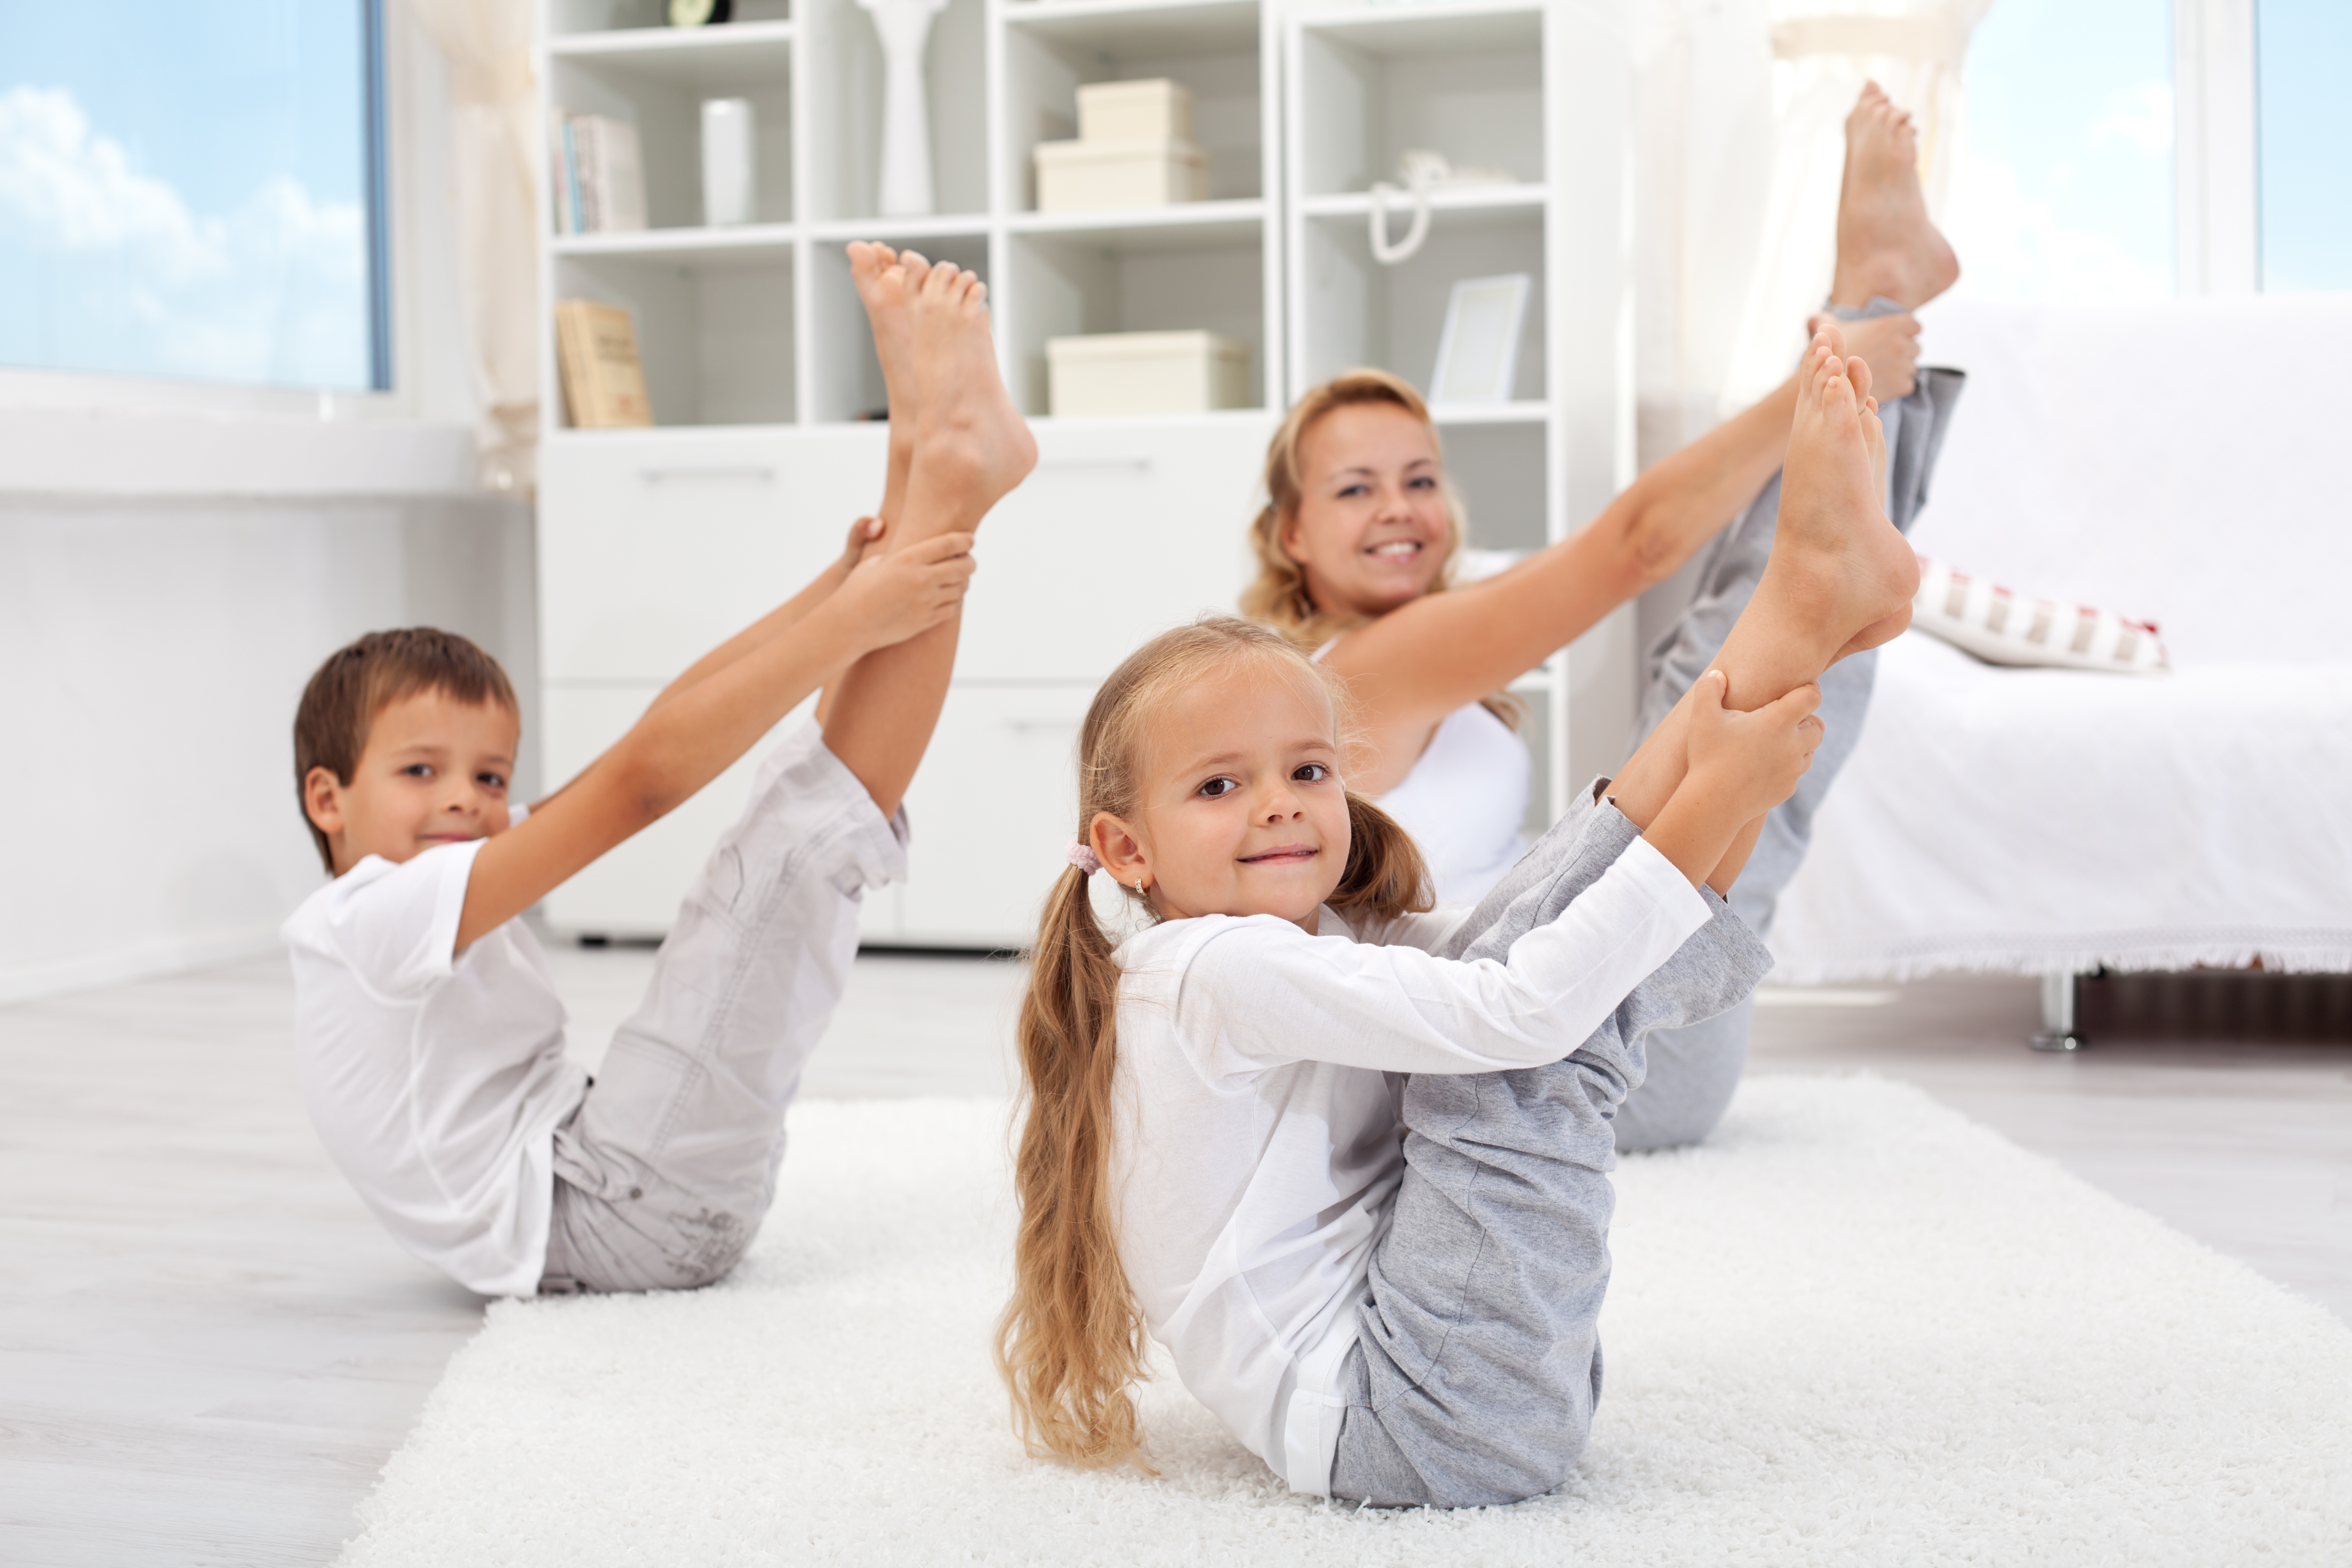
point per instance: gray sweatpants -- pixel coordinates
(1694, 1070)
(663, 1174)
(1479, 1365)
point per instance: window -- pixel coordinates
(2302, 49)
(194, 189)
(2065, 188)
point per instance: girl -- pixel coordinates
(1385, 1288)
(1355, 547)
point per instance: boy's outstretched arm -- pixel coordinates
(971, 447)
(698, 732)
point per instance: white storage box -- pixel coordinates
(1077, 177)
(1114, 374)
(1154, 111)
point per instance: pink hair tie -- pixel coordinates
(1083, 857)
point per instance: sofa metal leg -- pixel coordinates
(2058, 1013)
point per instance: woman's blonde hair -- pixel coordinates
(1070, 1345)
(1279, 597)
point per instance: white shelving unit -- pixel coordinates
(656, 543)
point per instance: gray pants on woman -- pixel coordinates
(1479, 1364)
(1694, 1070)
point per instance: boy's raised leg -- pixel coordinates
(970, 449)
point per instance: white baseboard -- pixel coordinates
(167, 955)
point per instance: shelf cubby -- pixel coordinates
(1053, 47)
(658, 79)
(1354, 310)
(1134, 277)
(714, 329)
(1464, 81)
(1501, 472)
(567, 18)
(844, 91)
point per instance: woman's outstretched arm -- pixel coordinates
(1419, 662)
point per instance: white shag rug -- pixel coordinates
(1853, 1328)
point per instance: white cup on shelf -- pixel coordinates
(727, 167)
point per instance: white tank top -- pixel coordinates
(1463, 802)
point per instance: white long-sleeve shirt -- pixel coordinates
(1258, 1147)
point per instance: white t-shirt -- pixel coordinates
(435, 1084)
(1258, 1150)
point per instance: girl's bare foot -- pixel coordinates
(1835, 555)
(1885, 244)
(968, 435)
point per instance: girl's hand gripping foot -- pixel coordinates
(1749, 762)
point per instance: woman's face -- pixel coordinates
(1371, 528)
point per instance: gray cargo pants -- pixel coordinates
(1479, 1365)
(1694, 1070)
(663, 1174)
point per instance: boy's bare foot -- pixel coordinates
(1835, 555)
(880, 275)
(1885, 244)
(967, 432)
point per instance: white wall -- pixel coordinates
(154, 649)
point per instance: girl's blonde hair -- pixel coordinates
(1070, 1344)
(1279, 597)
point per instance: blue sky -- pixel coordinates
(182, 189)
(2306, 143)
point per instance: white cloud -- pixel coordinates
(2139, 116)
(273, 291)
(2018, 246)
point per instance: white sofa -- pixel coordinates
(2170, 462)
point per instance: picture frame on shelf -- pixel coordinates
(1478, 351)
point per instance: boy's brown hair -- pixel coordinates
(356, 683)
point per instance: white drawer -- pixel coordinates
(990, 813)
(655, 546)
(1122, 532)
(634, 892)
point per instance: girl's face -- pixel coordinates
(1371, 528)
(1241, 811)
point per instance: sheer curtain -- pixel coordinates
(494, 140)
(1823, 52)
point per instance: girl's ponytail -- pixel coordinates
(1385, 874)
(1071, 1343)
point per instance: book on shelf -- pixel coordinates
(596, 350)
(597, 170)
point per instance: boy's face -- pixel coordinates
(434, 771)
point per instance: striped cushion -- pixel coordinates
(2001, 626)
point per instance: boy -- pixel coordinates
(431, 1039)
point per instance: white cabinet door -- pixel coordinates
(1126, 529)
(655, 546)
(634, 892)
(990, 813)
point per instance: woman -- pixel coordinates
(1360, 528)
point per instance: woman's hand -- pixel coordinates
(1746, 763)
(891, 597)
(1888, 345)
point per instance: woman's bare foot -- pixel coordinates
(968, 436)
(1885, 244)
(1837, 563)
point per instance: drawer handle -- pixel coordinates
(757, 473)
(1022, 726)
(1080, 465)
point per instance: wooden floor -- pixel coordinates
(207, 1348)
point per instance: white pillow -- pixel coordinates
(2003, 626)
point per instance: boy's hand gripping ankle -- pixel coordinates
(891, 595)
